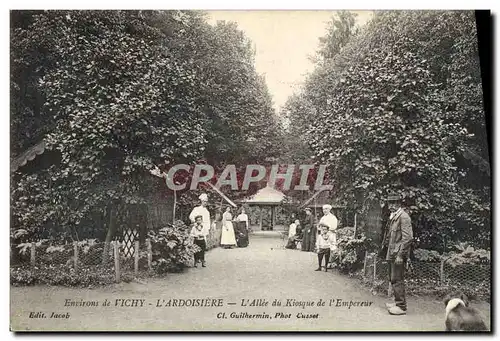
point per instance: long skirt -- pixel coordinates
(228, 238)
(306, 240)
(241, 233)
(312, 238)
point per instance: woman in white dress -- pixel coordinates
(228, 239)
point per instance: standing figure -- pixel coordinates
(228, 239)
(243, 217)
(396, 245)
(323, 245)
(199, 239)
(293, 234)
(292, 229)
(308, 233)
(204, 213)
(330, 222)
(242, 229)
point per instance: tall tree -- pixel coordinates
(400, 107)
(340, 30)
(121, 91)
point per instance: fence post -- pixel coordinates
(75, 248)
(150, 255)
(136, 258)
(33, 254)
(364, 264)
(117, 261)
(441, 273)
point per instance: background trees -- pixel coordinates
(115, 92)
(394, 105)
(399, 107)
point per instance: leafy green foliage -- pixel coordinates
(119, 91)
(341, 28)
(350, 252)
(172, 248)
(399, 107)
(462, 254)
(63, 275)
(425, 255)
(467, 255)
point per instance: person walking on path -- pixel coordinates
(228, 238)
(199, 239)
(309, 232)
(396, 245)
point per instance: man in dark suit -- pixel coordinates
(396, 245)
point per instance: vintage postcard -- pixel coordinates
(182, 170)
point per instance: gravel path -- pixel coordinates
(264, 271)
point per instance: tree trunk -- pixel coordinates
(110, 234)
(143, 223)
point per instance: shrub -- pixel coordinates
(349, 255)
(425, 255)
(172, 248)
(63, 275)
(467, 255)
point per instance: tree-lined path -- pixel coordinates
(262, 270)
(101, 101)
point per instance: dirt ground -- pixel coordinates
(234, 278)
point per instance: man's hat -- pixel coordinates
(308, 209)
(203, 197)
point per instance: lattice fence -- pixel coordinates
(128, 242)
(87, 262)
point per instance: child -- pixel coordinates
(323, 245)
(197, 233)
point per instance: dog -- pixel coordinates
(461, 317)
